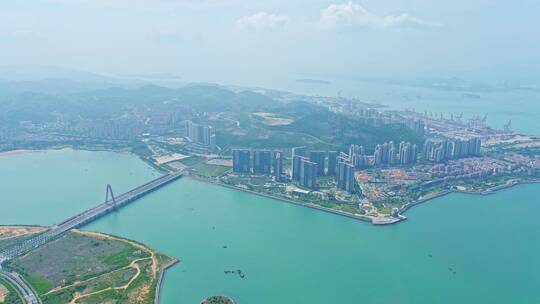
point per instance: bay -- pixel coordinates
(455, 249)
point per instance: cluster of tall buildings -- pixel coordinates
(451, 149)
(260, 161)
(357, 156)
(306, 168)
(417, 125)
(345, 176)
(388, 154)
(201, 134)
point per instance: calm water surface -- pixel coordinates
(520, 106)
(457, 249)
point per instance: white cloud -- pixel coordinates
(263, 21)
(354, 15)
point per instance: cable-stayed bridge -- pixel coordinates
(110, 204)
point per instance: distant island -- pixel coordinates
(218, 300)
(313, 81)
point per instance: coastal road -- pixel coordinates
(76, 221)
(23, 289)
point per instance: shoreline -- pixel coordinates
(489, 191)
(383, 220)
(149, 162)
(360, 217)
(16, 152)
(159, 284)
(101, 235)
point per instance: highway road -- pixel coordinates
(23, 289)
(76, 221)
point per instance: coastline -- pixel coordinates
(170, 264)
(489, 191)
(148, 161)
(16, 152)
(286, 200)
(383, 220)
(161, 278)
(101, 235)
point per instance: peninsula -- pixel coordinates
(337, 155)
(85, 267)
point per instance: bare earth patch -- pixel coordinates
(272, 119)
(169, 158)
(3, 293)
(220, 162)
(8, 232)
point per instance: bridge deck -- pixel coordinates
(87, 216)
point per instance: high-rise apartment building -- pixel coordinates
(277, 165)
(308, 174)
(262, 161)
(332, 163)
(318, 157)
(241, 161)
(345, 176)
(297, 154)
(201, 134)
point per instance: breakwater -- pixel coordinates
(160, 280)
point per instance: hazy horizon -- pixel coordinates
(241, 42)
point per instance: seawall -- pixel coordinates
(286, 200)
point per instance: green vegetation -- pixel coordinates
(312, 126)
(218, 300)
(92, 268)
(341, 131)
(192, 160)
(208, 170)
(85, 257)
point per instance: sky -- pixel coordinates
(242, 40)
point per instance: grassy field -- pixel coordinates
(192, 160)
(92, 268)
(209, 170)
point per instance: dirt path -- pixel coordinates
(134, 244)
(95, 278)
(124, 287)
(134, 264)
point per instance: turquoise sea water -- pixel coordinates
(520, 106)
(456, 249)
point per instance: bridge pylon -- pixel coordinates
(107, 199)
